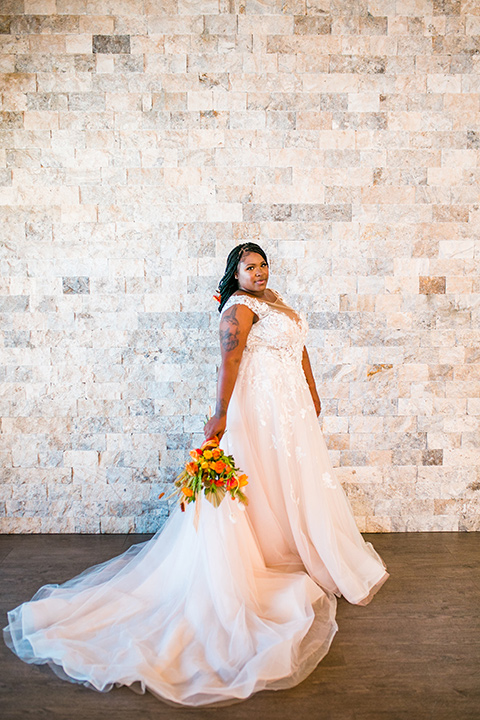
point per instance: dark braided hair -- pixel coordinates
(229, 283)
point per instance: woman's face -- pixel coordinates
(252, 273)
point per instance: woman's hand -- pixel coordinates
(215, 426)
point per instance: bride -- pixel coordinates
(216, 607)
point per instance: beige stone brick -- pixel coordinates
(8, 196)
(265, 24)
(382, 45)
(334, 424)
(64, 82)
(104, 64)
(21, 525)
(363, 102)
(197, 7)
(472, 21)
(39, 7)
(457, 159)
(46, 44)
(44, 120)
(123, 101)
(200, 100)
(333, 82)
(456, 249)
(224, 212)
(175, 24)
(473, 406)
(225, 100)
(17, 82)
(80, 458)
(7, 63)
(439, 83)
(72, 214)
(461, 102)
(78, 44)
(70, 7)
(461, 457)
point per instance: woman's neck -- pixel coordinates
(261, 294)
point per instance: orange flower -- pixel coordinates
(219, 466)
(242, 480)
(187, 491)
(211, 443)
(216, 452)
(195, 454)
(207, 454)
(204, 465)
(192, 468)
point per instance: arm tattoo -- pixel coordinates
(221, 408)
(229, 330)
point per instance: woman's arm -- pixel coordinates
(307, 369)
(235, 325)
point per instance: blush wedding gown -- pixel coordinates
(246, 600)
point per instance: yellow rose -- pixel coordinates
(207, 454)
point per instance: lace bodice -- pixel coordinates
(275, 332)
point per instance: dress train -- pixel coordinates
(194, 616)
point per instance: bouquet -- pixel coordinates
(213, 472)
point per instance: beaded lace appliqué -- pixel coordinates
(277, 339)
(275, 332)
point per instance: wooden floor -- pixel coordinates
(412, 654)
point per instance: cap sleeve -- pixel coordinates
(253, 304)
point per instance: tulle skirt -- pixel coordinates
(193, 615)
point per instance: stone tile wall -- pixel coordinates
(139, 141)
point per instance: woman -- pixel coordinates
(300, 514)
(212, 611)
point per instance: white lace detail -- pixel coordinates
(275, 332)
(328, 481)
(256, 306)
(275, 346)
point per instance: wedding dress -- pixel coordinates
(242, 601)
